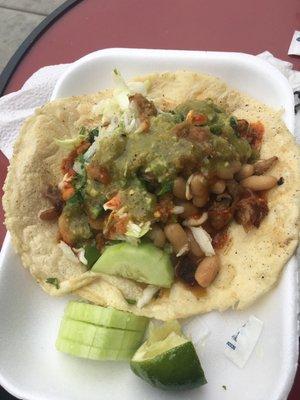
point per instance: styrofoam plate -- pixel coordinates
(31, 368)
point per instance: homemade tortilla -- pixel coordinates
(251, 263)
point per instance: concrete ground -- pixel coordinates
(17, 19)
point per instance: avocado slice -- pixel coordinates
(144, 263)
(105, 316)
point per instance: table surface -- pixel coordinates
(249, 27)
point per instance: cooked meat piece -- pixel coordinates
(96, 224)
(181, 130)
(98, 173)
(185, 269)
(250, 210)
(163, 209)
(253, 132)
(67, 162)
(233, 188)
(242, 126)
(65, 232)
(49, 215)
(82, 147)
(145, 107)
(220, 212)
(191, 132)
(52, 193)
(262, 166)
(220, 239)
(198, 134)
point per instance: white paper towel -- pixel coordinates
(17, 106)
(36, 91)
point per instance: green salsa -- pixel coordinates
(143, 165)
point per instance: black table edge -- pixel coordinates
(30, 40)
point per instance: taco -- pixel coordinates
(176, 162)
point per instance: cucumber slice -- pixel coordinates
(93, 353)
(144, 263)
(98, 336)
(102, 316)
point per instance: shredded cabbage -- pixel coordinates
(119, 107)
(204, 240)
(119, 81)
(147, 295)
(137, 230)
(139, 87)
(78, 167)
(80, 254)
(90, 151)
(70, 144)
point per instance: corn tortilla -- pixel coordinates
(250, 265)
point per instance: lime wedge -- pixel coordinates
(160, 332)
(170, 363)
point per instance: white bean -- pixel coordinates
(207, 271)
(262, 166)
(218, 187)
(200, 201)
(179, 188)
(177, 237)
(199, 185)
(257, 183)
(246, 171)
(157, 236)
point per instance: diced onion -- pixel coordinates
(139, 87)
(147, 295)
(80, 254)
(177, 210)
(130, 118)
(204, 240)
(67, 251)
(183, 250)
(78, 167)
(193, 221)
(188, 193)
(137, 230)
(123, 101)
(90, 151)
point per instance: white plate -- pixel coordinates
(31, 368)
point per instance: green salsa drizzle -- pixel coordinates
(134, 161)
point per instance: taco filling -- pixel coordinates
(176, 178)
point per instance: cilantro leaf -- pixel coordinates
(75, 200)
(91, 254)
(166, 187)
(131, 301)
(93, 134)
(53, 281)
(233, 122)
